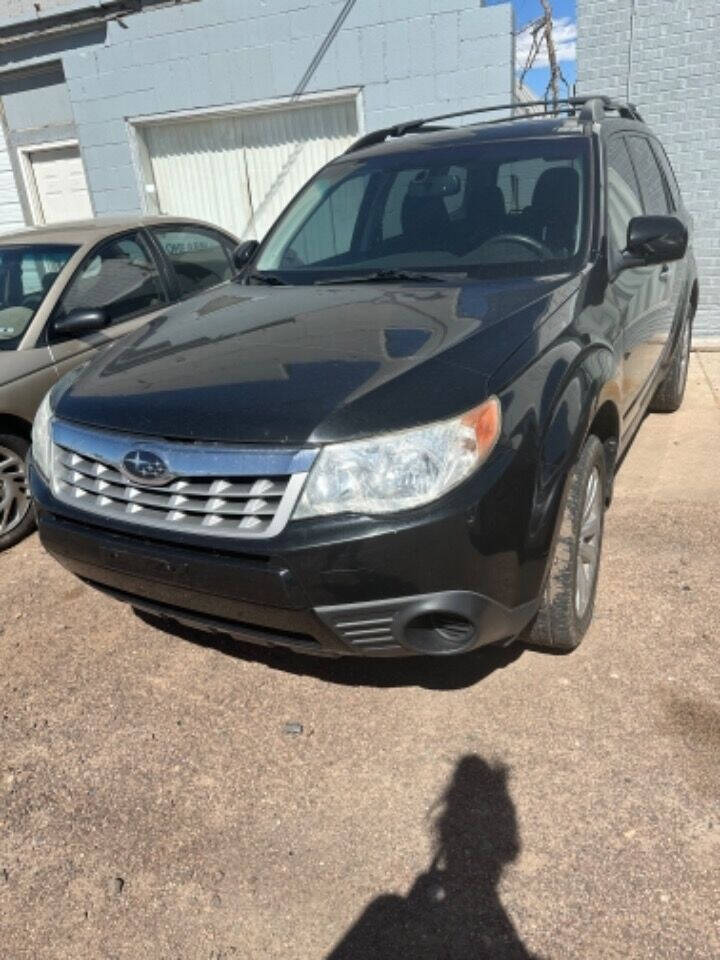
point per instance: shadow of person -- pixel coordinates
(432, 673)
(452, 911)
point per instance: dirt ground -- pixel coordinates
(154, 802)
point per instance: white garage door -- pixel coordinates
(60, 185)
(240, 169)
(11, 215)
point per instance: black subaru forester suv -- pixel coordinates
(397, 431)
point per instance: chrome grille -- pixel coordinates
(212, 489)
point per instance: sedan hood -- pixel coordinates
(290, 365)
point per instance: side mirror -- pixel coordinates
(244, 252)
(80, 322)
(656, 239)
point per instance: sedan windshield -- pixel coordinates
(26, 274)
(515, 207)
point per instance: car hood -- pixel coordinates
(290, 365)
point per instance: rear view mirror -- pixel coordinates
(428, 184)
(656, 239)
(244, 252)
(80, 322)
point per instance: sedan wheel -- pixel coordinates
(14, 500)
(16, 515)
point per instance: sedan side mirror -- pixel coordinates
(244, 252)
(656, 239)
(80, 322)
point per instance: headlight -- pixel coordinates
(397, 471)
(42, 438)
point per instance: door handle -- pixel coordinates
(665, 272)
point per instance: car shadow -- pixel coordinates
(432, 673)
(452, 909)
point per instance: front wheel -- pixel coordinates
(568, 600)
(16, 519)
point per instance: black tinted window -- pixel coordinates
(119, 277)
(623, 195)
(200, 259)
(652, 186)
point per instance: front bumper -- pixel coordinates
(430, 584)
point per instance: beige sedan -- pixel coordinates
(69, 289)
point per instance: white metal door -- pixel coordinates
(240, 169)
(60, 185)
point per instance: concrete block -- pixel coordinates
(368, 13)
(398, 50)
(372, 53)
(446, 34)
(347, 63)
(312, 22)
(405, 9)
(486, 22)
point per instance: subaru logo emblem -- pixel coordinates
(146, 467)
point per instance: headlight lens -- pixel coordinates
(397, 471)
(42, 438)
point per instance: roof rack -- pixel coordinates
(588, 109)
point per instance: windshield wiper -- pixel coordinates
(386, 276)
(266, 278)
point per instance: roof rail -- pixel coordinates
(589, 109)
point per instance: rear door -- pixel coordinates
(121, 275)
(667, 278)
(638, 293)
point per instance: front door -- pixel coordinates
(121, 277)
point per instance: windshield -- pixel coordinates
(494, 209)
(26, 275)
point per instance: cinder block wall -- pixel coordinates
(14, 9)
(671, 68)
(411, 57)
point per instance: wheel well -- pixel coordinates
(606, 427)
(16, 425)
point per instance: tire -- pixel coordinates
(568, 598)
(669, 395)
(16, 515)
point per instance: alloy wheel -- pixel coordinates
(588, 554)
(14, 499)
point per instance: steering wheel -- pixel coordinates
(535, 246)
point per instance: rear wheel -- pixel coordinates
(568, 599)
(16, 519)
(669, 395)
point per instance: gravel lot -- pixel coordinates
(154, 804)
